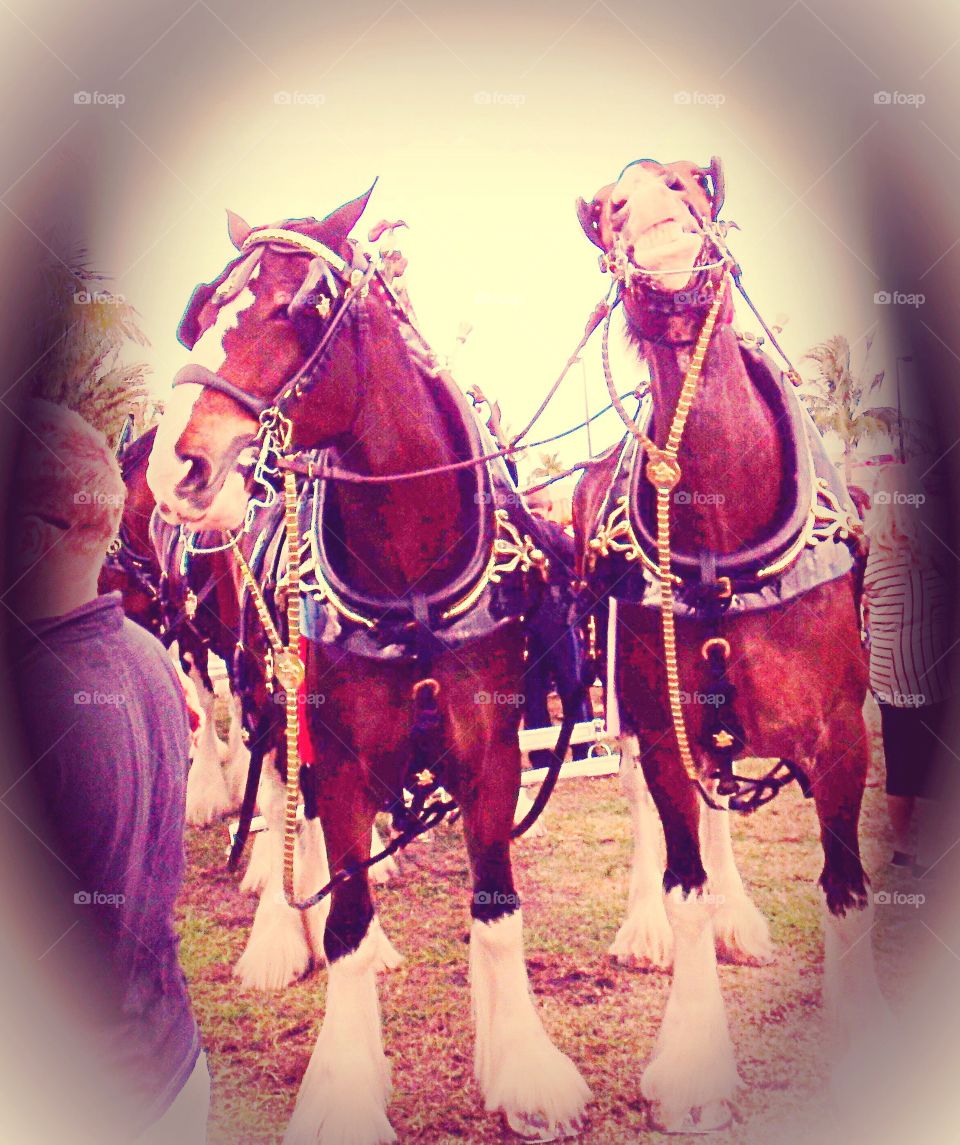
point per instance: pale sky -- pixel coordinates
(485, 169)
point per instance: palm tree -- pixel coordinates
(835, 396)
(80, 343)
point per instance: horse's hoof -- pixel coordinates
(535, 1127)
(742, 934)
(645, 939)
(710, 1118)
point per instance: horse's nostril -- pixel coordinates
(198, 475)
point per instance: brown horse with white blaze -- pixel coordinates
(375, 404)
(797, 666)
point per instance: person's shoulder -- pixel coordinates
(150, 655)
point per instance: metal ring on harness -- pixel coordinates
(715, 642)
(276, 427)
(427, 682)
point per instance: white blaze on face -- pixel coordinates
(208, 349)
(166, 470)
(659, 232)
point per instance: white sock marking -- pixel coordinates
(344, 1093)
(519, 1069)
(693, 1063)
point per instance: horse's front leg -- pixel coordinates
(344, 1092)
(520, 1071)
(277, 952)
(692, 1077)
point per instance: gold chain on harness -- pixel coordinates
(288, 667)
(663, 473)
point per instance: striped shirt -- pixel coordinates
(908, 623)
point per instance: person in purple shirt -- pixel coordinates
(105, 721)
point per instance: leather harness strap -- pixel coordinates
(197, 375)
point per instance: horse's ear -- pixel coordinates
(719, 189)
(125, 437)
(237, 229)
(334, 230)
(589, 215)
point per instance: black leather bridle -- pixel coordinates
(273, 414)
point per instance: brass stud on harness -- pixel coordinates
(289, 670)
(663, 472)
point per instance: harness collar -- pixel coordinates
(813, 510)
(452, 599)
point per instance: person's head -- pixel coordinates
(540, 504)
(68, 497)
(861, 500)
(899, 518)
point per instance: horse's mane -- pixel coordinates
(136, 451)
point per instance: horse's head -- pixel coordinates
(656, 228)
(250, 332)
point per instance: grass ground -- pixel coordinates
(574, 884)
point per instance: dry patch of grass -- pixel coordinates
(574, 884)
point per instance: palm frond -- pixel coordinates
(81, 341)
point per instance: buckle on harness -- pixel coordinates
(274, 425)
(426, 682)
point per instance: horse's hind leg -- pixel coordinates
(344, 1092)
(740, 930)
(238, 754)
(645, 934)
(207, 796)
(854, 1004)
(693, 1074)
(520, 1071)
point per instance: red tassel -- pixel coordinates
(304, 742)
